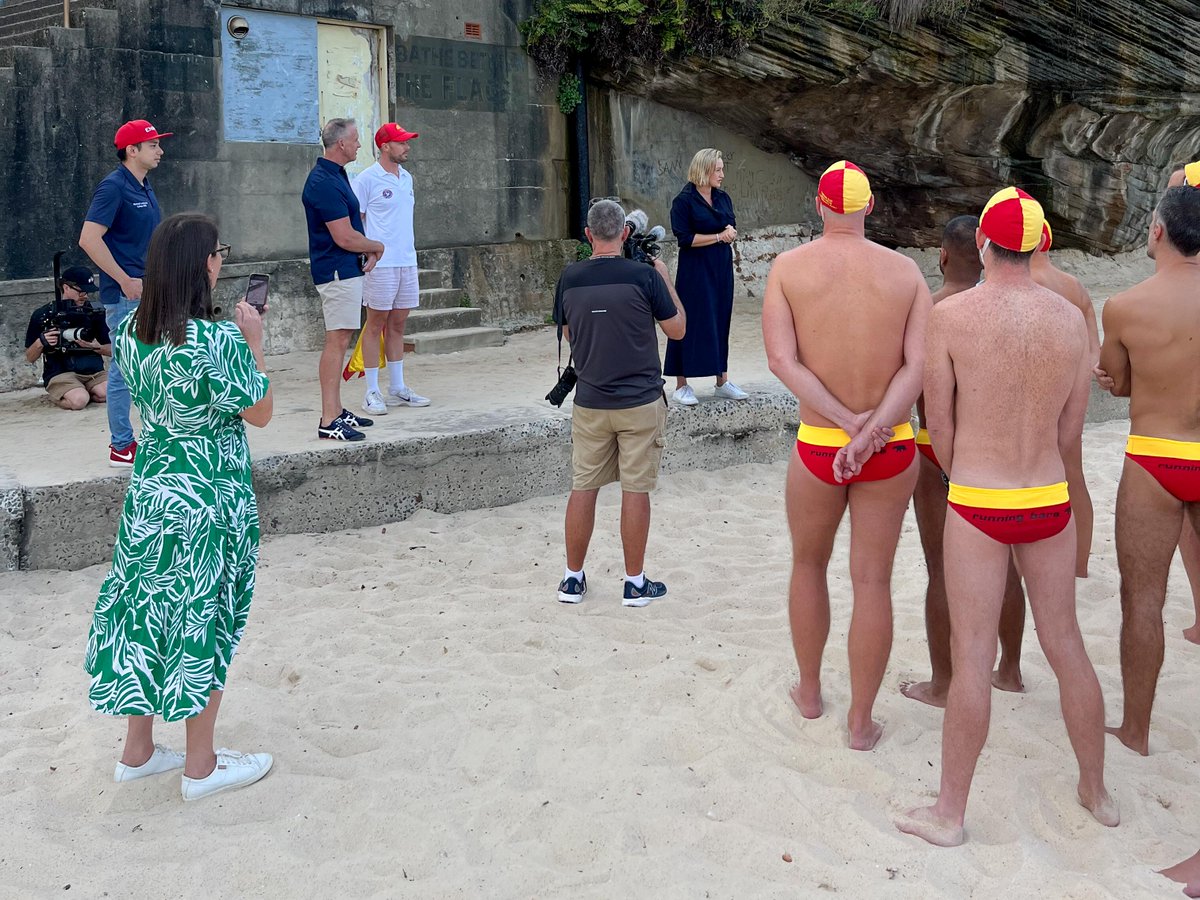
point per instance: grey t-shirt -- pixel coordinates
(610, 306)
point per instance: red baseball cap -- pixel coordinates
(390, 131)
(135, 132)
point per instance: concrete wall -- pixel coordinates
(489, 166)
(640, 151)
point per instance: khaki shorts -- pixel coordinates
(58, 386)
(341, 302)
(618, 444)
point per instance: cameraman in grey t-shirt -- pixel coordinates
(608, 306)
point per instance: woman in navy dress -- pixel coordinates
(703, 221)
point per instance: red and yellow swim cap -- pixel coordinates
(1191, 173)
(1013, 220)
(844, 188)
(1047, 237)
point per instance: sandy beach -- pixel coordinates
(443, 728)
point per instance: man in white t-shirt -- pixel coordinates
(385, 194)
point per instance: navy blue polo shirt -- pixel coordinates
(328, 197)
(130, 212)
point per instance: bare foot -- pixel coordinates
(866, 738)
(925, 692)
(1137, 746)
(927, 825)
(1102, 807)
(1192, 634)
(1186, 872)
(808, 702)
(1008, 681)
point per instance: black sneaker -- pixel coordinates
(571, 590)
(339, 430)
(354, 421)
(651, 590)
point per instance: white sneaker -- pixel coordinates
(685, 396)
(233, 770)
(730, 391)
(373, 403)
(406, 397)
(163, 759)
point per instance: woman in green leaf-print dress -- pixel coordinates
(173, 607)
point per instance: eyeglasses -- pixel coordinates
(222, 251)
(596, 200)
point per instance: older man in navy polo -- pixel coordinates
(340, 254)
(116, 232)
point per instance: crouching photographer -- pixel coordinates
(71, 338)
(606, 307)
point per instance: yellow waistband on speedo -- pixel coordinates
(835, 437)
(923, 437)
(1009, 498)
(1162, 447)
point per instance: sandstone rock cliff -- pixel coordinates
(1085, 105)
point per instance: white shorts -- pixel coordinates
(341, 302)
(391, 287)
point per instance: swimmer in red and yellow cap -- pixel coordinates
(844, 189)
(1006, 379)
(844, 329)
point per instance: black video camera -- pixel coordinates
(642, 245)
(74, 324)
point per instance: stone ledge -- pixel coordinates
(387, 481)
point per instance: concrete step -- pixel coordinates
(28, 32)
(27, 9)
(429, 278)
(424, 320)
(453, 340)
(440, 298)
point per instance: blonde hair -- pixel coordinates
(703, 164)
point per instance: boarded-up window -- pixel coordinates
(269, 78)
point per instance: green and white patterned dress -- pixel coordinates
(173, 607)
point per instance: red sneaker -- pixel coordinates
(122, 459)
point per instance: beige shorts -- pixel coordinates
(391, 287)
(341, 302)
(618, 444)
(58, 386)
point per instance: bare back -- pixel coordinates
(850, 301)
(1157, 325)
(1070, 287)
(1019, 356)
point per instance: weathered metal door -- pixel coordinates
(350, 73)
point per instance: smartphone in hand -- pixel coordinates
(256, 290)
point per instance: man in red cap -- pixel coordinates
(116, 232)
(1151, 333)
(844, 328)
(385, 194)
(1007, 375)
